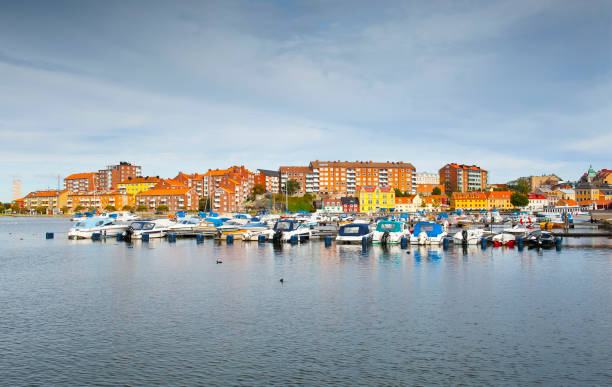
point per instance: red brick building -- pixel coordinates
(268, 179)
(463, 178)
(299, 174)
(108, 178)
(81, 182)
(350, 204)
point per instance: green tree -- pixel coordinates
(520, 185)
(162, 208)
(41, 210)
(65, 210)
(203, 204)
(15, 208)
(398, 193)
(258, 189)
(127, 208)
(79, 208)
(291, 186)
(436, 191)
(110, 208)
(141, 208)
(2, 207)
(519, 200)
(91, 208)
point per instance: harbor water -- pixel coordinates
(159, 313)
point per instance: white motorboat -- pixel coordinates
(285, 229)
(185, 225)
(503, 239)
(469, 236)
(157, 228)
(86, 227)
(390, 232)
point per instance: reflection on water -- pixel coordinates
(82, 312)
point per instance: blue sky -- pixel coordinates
(517, 87)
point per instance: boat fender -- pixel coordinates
(49, 235)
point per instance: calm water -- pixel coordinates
(81, 313)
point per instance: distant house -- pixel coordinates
(410, 203)
(376, 199)
(350, 204)
(537, 202)
(332, 205)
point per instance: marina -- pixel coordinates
(162, 312)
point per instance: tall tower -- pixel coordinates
(16, 189)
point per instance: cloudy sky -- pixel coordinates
(516, 87)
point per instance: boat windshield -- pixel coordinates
(142, 225)
(389, 226)
(284, 225)
(354, 230)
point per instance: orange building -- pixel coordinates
(81, 182)
(426, 189)
(463, 178)
(194, 180)
(176, 199)
(303, 175)
(108, 178)
(236, 181)
(100, 201)
(268, 179)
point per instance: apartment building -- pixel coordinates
(376, 199)
(177, 199)
(52, 200)
(427, 178)
(343, 177)
(99, 200)
(132, 186)
(269, 179)
(81, 182)
(463, 178)
(109, 177)
(194, 180)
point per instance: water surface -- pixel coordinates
(82, 312)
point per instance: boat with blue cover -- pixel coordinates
(354, 233)
(427, 233)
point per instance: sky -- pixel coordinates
(516, 87)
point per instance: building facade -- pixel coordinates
(81, 182)
(133, 186)
(463, 178)
(99, 201)
(350, 204)
(375, 199)
(499, 200)
(475, 200)
(537, 202)
(268, 179)
(332, 205)
(108, 178)
(52, 200)
(177, 199)
(427, 178)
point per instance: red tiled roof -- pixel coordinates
(80, 176)
(163, 192)
(38, 194)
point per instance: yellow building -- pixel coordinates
(138, 184)
(499, 200)
(376, 199)
(469, 201)
(52, 200)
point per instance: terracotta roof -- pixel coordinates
(465, 167)
(38, 194)
(216, 172)
(536, 196)
(148, 179)
(499, 194)
(163, 192)
(476, 195)
(86, 175)
(404, 200)
(295, 169)
(361, 164)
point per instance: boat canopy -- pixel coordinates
(241, 216)
(388, 225)
(354, 229)
(189, 221)
(142, 225)
(256, 224)
(92, 222)
(286, 225)
(442, 215)
(431, 229)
